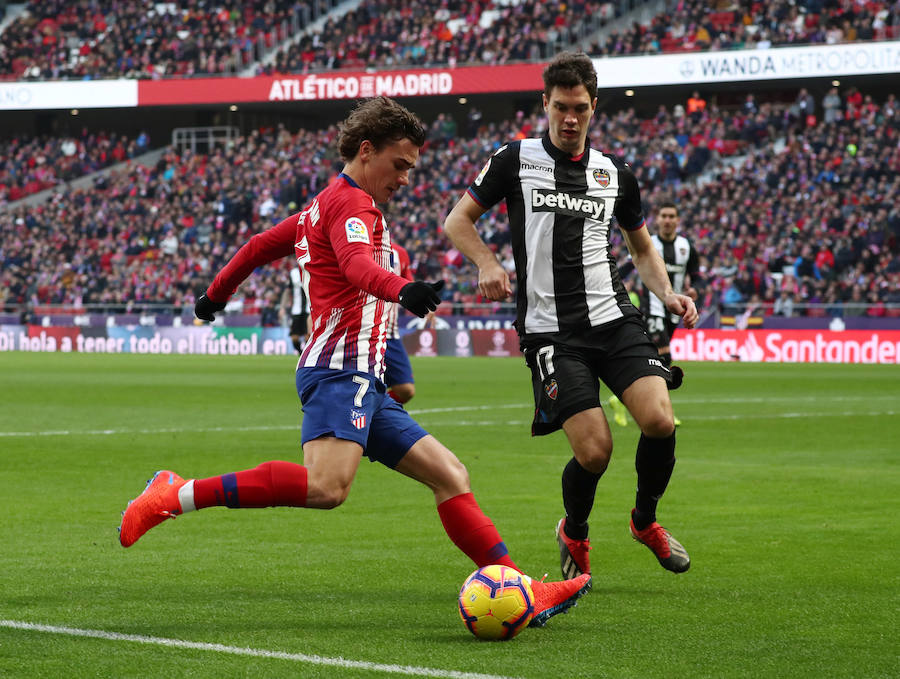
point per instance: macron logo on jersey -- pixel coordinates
(546, 200)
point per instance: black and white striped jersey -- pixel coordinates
(559, 213)
(681, 259)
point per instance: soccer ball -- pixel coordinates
(496, 602)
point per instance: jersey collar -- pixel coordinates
(347, 178)
(558, 154)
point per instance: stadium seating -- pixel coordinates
(59, 40)
(31, 165)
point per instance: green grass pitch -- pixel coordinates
(785, 495)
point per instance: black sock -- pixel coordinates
(578, 486)
(654, 462)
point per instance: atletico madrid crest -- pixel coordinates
(602, 178)
(358, 419)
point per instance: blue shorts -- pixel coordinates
(397, 368)
(355, 406)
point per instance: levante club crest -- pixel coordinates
(602, 178)
(552, 389)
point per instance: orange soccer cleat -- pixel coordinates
(552, 598)
(158, 502)
(573, 554)
(669, 552)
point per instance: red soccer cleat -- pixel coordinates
(158, 502)
(669, 552)
(573, 554)
(552, 598)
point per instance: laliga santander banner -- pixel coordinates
(787, 346)
(342, 85)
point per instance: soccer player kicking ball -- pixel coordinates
(342, 242)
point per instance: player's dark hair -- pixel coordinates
(665, 204)
(571, 69)
(380, 120)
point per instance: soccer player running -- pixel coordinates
(575, 321)
(342, 242)
(683, 267)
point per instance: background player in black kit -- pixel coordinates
(575, 320)
(683, 266)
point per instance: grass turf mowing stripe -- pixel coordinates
(468, 423)
(254, 652)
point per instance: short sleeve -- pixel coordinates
(496, 177)
(628, 209)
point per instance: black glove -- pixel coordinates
(677, 377)
(421, 297)
(205, 309)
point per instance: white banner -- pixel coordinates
(62, 95)
(781, 63)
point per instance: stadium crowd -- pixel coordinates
(809, 215)
(29, 165)
(146, 39)
(385, 33)
(698, 25)
(57, 39)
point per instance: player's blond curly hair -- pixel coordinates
(380, 120)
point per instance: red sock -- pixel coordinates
(394, 396)
(271, 484)
(473, 532)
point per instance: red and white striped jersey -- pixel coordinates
(400, 266)
(342, 244)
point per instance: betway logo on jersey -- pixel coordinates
(574, 205)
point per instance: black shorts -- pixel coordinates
(565, 377)
(298, 324)
(660, 329)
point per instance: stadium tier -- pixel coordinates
(55, 39)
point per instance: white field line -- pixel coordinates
(254, 652)
(460, 409)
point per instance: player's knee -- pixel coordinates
(297, 342)
(659, 425)
(595, 455)
(332, 496)
(453, 479)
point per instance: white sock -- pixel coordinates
(186, 497)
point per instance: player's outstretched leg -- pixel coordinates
(620, 414)
(574, 559)
(552, 598)
(158, 502)
(669, 552)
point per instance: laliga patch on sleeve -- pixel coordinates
(356, 230)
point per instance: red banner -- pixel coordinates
(342, 85)
(787, 346)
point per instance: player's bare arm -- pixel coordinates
(493, 281)
(652, 270)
